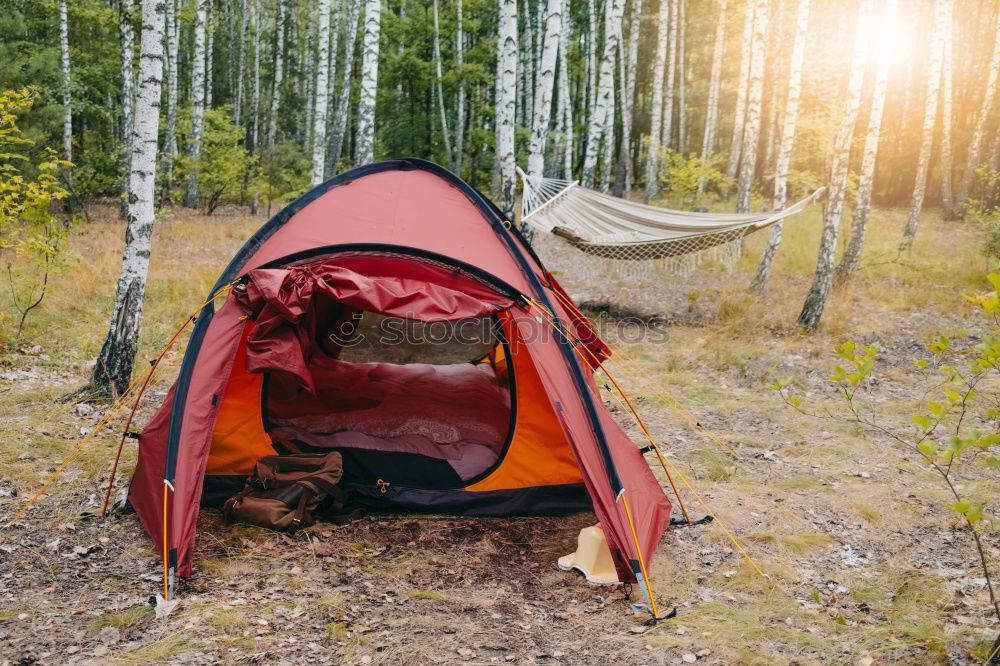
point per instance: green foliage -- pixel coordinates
(681, 174)
(224, 165)
(956, 426)
(32, 239)
(283, 175)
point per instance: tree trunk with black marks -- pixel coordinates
(113, 371)
(742, 88)
(192, 196)
(279, 73)
(714, 86)
(605, 91)
(506, 101)
(979, 132)
(863, 198)
(656, 114)
(340, 118)
(941, 10)
(126, 39)
(321, 87)
(784, 160)
(364, 142)
(751, 131)
(812, 309)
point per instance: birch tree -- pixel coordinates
(172, 65)
(209, 53)
(565, 101)
(682, 109)
(668, 102)
(784, 160)
(279, 73)
(742, 88)
(322, 86)
(947, 195)
(241, 59)
(340, 118)
(812, 309)
(364, 142)
(863, 198)
(67, 94)
(714, 86)
(605, 91)
(543, 95)
(506, 100)
(252, 133)
(751, 130)
(460, 103)
(941, 9)
(191, 194)
(445, 137)
(126, 39)
(113, 370)
(974, 158)
(656, 114)
(623, 179)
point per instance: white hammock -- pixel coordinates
(613, 228)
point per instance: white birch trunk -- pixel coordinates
(714, 86)
(947, 194)
(979, 132)
(656, 115)
(126, 39)
(445, 135)
(113, 370)
(321, 87)
(605, 90)
(336, 28)
(506, 100)
(742, 88)
(930, 118)
(209, 46)
(784, 161)
(669, 92)
(351, 29)
(543, 97)
(623, 186)
(812, 309)
(310, 71)
(751, 133)
(564, 95)
(460, 103)
(173, 66)
(364, 142)
(252, 134)
(608, 139)
(191, 195)
(682, 80)
(593, 20)
(242, 63)
(863, 198)
(67, 94)
(279, 73)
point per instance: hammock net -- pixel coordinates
(636, 238)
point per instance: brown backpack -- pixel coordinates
(284, 491)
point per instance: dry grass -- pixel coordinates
(793, 499)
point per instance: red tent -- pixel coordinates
(523, 431)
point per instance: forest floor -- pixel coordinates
(865, 563)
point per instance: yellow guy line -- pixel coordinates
(663, 459)
(113, 410)
(670, 401)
